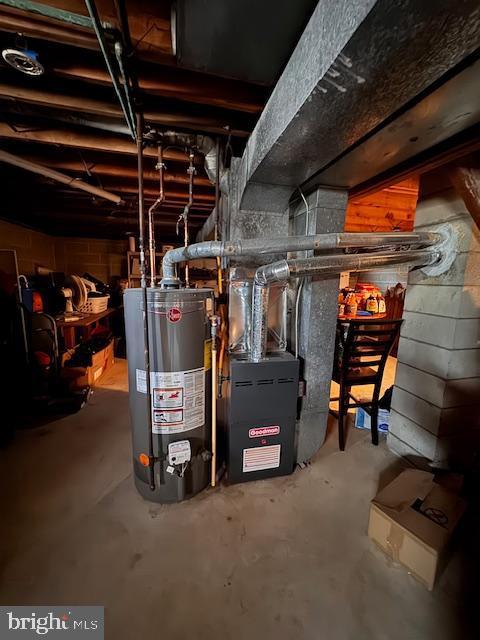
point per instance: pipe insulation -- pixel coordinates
(323, 266)
(265, 246)
(74, 183)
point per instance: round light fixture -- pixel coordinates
(23, 60)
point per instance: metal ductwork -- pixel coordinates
(205, 145)
(262, 246)
(413, 248)
(322, 266)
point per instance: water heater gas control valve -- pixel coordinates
(179, 452)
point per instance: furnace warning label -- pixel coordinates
(260, 458)
(178, 400)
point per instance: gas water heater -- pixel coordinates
(180, 396)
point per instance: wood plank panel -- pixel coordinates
(386, 210)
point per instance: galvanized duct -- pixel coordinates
(263, 246)
(324, 266)
(204, 144)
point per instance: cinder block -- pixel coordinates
(13, 236)
(412, 434)
(96, 258)
(449, 333)
(470, 302)
(439, 207)
(426, 357)
(451, 364)
(399, 447)
(459, 419)
(467, 334)
(450, 301)
(462, 392)
(441, 301)
(464, 363)
(430, 387)
(76, 247)
(467, 234)
(417, 410)
(464, 271)
(25, 266)
(436, 330)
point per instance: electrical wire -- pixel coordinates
(300, 286)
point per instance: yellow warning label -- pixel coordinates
(207, 354)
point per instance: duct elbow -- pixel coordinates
(274, 272)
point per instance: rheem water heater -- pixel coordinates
(180, 396)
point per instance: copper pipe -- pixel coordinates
(184, 216)
(151, 225)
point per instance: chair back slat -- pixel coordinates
(374, 332)
(368, 340)
(363, 351)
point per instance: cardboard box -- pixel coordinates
(363, 420)
(88, 376)
(412, 520)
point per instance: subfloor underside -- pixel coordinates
(286, 558)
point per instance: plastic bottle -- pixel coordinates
(382, 308)
(372, 304)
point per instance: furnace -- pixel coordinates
(260, 411)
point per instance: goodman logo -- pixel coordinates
(55, 622)
(261, 432)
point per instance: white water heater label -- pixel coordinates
(141, 380)
(178, 400)
(260, 458)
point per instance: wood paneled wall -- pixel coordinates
(386, 210)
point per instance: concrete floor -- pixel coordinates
(286, 558)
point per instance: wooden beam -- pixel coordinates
(180, 84)
(150, 31)
(14, 21)
(85, 104)
(116, 170)
(82, 140)
(120, 214)
(125, 186)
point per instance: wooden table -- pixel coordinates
(84, 325)
(376, 316)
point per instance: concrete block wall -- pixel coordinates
(382, 278)
(33, 248)
(104, 259)
(436, 400)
